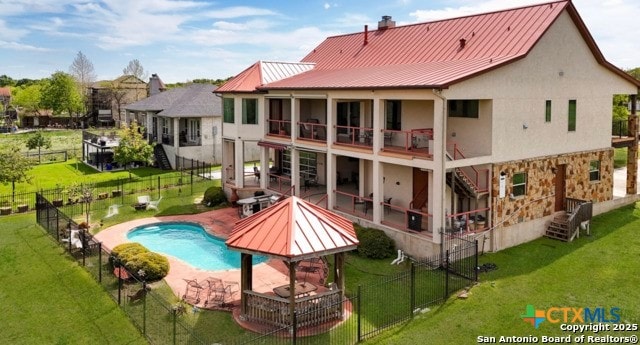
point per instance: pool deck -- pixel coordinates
(266, 276)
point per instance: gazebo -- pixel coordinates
(293, 231)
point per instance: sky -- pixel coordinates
(182, 40)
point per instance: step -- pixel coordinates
(559, 225)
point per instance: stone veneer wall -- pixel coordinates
(539, 200)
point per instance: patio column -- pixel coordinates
(239, 163)
(295, 171)
(264, 167)
(331, 180)
(292, 289)
(378, 190)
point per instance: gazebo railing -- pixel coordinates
(311, 310)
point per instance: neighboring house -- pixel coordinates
(184, 121)
(484, 122)
(107, 97)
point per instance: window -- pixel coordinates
(594, 171)
(463, 108)
(165, 126)
(194, 129)
(519, 182)
(547, 111)
(393, 115)
(572, 115)
(228, 116)
(249, 111)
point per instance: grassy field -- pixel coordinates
(46, 298)
(600, 270)
(620, 158)
(60, 139)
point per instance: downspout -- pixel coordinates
(443, 157)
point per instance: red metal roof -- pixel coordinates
(429, 55)
(293, 229)
(261, 73)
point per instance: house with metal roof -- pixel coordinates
(491, 125)
(183, 122)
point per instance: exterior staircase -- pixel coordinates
(162, 161)
(566, 226)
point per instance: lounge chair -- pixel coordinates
(74, 238)
(113, 210)
(153, 204)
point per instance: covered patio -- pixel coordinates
(300, 234)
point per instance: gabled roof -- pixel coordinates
(433, 54)
(293, 229)
(262, 73)
(5, 91)
(194, 100)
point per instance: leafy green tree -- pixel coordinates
(14, 167)
(61, 95)
(28, 97)
(635, 72)
(6, 80)
(132, 147)
(38, 140)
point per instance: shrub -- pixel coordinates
(374, 243)
(126, 251)
(214, 196)
(154, 265)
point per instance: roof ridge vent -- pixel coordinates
(386, 23)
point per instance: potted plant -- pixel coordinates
(116, 192)
(23, 208)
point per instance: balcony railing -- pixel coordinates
(414, 142)
(406, 219)
(479, 179)
(354, 204)
(167, 139)
(620, 128)
(190, 141)
(280, 128)
(467, 222)
(280, 183)
(313, 131)
(354, 136)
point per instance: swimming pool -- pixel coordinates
(188, 242)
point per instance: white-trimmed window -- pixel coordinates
(594, 171)
(249, 111)
(519, 184)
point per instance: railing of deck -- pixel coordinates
(354, 136)
(579, 211)
(280, 128)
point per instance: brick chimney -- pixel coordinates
(386, 23)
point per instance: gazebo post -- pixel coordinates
(338, 272)
(292, 289)
(246, 279)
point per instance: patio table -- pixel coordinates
(300, 288)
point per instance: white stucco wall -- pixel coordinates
(559, 68)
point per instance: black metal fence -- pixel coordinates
(101, 194)
(372, 309)
(620, 128)
(198, 168)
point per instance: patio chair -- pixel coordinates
(143, 201)
(153, 204)
(256, 173)
(192, 291)
(74, 238)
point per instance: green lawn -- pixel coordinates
(597, 271)
(46, 298)
(620, 157)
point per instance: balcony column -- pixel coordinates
(378, 124)
(632, 151)
(295, 117)
(238, 164)
(437, 202)
(264, 167)
(295, 171)
(331, 179)
(378, 190)
(175, 132)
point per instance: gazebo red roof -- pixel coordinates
(293, 229)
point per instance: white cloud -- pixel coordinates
(239, 12)
(21, 47)
(327, 5)
(8, 33)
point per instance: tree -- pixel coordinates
(38, 141)
(117, 95)
(635, 72)
(14, 167)
(620, 110)
(132, 147)
(28, 97)
(135, 68)
(61, 94)
(83, 72)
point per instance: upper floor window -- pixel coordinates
(594, 171)
(249, 111)
(572, 115)
(547, 111)
(519, 183)
(393, 119)
(463, 108)
(228, 110)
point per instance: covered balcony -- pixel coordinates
(417, 142)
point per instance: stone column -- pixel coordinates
(632, 151)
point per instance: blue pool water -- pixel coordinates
(188, 242)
